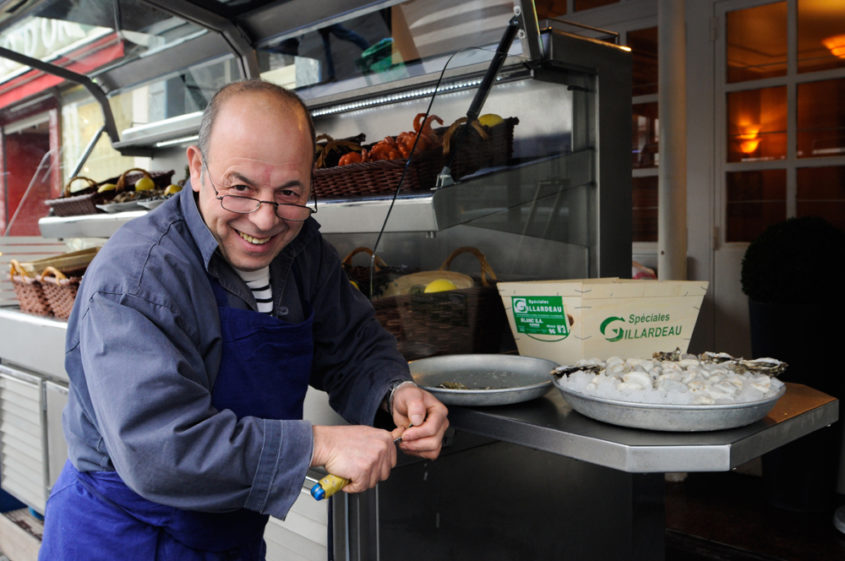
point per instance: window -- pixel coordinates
(644, 129)
(784, 103)
(755, 200)
(757, 124)
(821, 192)
(821, 126)
(756, 42)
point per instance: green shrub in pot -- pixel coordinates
(794, 277)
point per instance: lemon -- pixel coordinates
(490, 120)
(439, 285)
(172, 189)
(145, 184)
(106, 187)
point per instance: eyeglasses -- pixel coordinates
(247, 205)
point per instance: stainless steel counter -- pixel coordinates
(37, 343)
(549, 424)
(553, 483)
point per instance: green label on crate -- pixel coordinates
(540, 315)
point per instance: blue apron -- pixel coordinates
(120, 524)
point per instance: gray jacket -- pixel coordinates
(143, 349)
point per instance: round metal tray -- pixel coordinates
(667, 417)
(490, 379)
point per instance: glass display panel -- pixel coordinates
(644, 194)
(414, 38)
(643, 43)
(81, 118)
(27, 174)
(529, 208)
(531, 188)
(757, 124)
(187, 92)
(755, 43)
(821, 35)
(755, 200)
(644, 139)
(821, 122)
(82, 35)
(821, 192)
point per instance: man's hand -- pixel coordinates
(424, 419)
(363, 455)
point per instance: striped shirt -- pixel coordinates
(259, 283)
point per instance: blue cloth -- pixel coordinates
(253, 345)
(144, 349)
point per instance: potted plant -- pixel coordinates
(794, 277)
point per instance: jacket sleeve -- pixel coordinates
(356, 359)
(144, 383)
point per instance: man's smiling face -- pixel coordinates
(260, 147)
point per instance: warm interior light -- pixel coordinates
(836, 45)
(749, 146)
(749, 140)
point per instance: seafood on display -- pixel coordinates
(674, 378)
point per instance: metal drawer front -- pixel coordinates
(56, 399)
(303, 535)
(22, 470)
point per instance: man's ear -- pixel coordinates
(194, 157)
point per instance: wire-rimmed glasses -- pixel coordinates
(247, 205)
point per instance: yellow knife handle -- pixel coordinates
(328, 486)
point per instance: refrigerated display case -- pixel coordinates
(558, 206)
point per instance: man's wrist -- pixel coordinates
(387, 402)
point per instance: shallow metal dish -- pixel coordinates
(491, 379)
(668, 417)
(112, 208)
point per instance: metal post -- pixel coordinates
(672, 174)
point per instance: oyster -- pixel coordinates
(673, 356)
(580, 366)
(768, 366)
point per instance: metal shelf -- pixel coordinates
(494, 192)
(86, 225)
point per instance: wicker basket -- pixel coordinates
(382, 177)
(60, 291)
(465, 320)
(85, 201)
(29, 291)
(328, 150)
(131, 176)
(475, 153)
(360, 274)
(378, 178)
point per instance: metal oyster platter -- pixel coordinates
(670, 417)
(483, 379)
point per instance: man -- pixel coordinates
(184, 422)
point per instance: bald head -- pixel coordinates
(286, 99)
